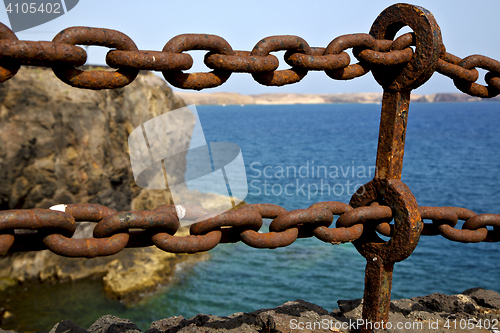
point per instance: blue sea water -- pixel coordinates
(297, 155)
(452, 158)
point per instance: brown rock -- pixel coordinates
(67, 326)
(68, 145)
(483, 297)
(111, 324)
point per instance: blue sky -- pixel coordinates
(468, 27)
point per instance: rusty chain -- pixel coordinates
(51, 229)
(63, 56)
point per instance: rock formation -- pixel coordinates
(69, 145)
(478, 309)
(66, 145)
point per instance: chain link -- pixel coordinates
(112, 233)
(464, 74)
(64, 57)
(95, 79)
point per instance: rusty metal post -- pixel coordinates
(386, 188)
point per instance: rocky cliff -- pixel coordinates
(65, 145)
(69, 145)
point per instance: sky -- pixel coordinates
(467, 27)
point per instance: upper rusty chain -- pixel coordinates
(38, 229)
(64, 57)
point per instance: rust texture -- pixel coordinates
(242, 61)
(149, 60)
(407, 71)
(391, 140)
(428, 45)
(315, 221)
(42, 53)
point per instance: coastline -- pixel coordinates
(232, 98)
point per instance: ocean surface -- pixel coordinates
(296, 155)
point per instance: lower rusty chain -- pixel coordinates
(38, 229)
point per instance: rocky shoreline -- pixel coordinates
(474, 310)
